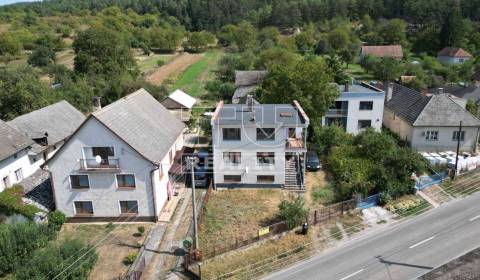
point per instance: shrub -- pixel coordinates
(130, 258)
(141, 230)
(293, 212)
(18, 241)
(110, 226)
(44, 263)
(56, 219)
(41, 56)
(11, 203)
(160, 63)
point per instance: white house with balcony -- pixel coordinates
(259, 145)
(358, 107)
(115, 167)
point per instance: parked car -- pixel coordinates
(313, 162)
(203, 170)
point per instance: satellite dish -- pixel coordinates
(98, 159)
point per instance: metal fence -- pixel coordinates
(326, 213)
(427, 181)
(136, 270)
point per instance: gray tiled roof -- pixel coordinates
(431, 110)
(249, 78)
(142, 122)
(11, 141)
(59, 120)
(263, 114)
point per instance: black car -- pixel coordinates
(313, 163)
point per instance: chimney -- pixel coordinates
(97, 104)
(249, 102)
(347, 87)
(440, 91)
(389, 93)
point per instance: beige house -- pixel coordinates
(429, 122)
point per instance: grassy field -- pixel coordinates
(238, 214)
(148, 63)
(113, 243)
(194, 78)
(356, 71)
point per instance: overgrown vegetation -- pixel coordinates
(371, 162)
(293, 211)
(11, 203)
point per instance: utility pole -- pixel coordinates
(458, 149)
(195, 231)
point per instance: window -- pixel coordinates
(431, 135)
(458, 135)
(232, 157)
(231, 134)
(366, 105)
(232, 178)
(265, 134)
(125, 180)
(103, 152)
(19, 174)
(363, 124)
(79, 181)
(83, 207)
(265, 158)
(265, 179)
(129, 207)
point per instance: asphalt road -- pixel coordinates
(404, 251)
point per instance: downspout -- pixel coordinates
(152, 177)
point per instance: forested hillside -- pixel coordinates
(213, 14)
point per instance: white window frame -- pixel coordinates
(429, 135)
(231, 163)
(266, 164)
(363, 128)
(231, 140)
(120, 208)
(75, 210)
(21, 173)
(96, 146)
(229, 182)
(268, 139)
(263, 182)
(123, 188)
(70, 182)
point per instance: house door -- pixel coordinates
(6, 181)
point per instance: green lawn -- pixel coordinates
(146, 63)
(356, 71)
(194, 78)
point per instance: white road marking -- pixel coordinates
(353, 274)
(474, 218)
(421, 242)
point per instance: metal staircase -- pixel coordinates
(293, 175)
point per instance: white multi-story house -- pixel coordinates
(14, 162)
(259, 145)
(430, 122)
(115, 167)
(358, 107)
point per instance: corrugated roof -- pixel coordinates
(11, 141)
(383, 51)
(182, 98)
(143, 123)
(249, 78)
(59, 120)
(432, 110)
(454, 52)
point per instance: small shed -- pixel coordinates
(180, 104)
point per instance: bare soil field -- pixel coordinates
(177, 65)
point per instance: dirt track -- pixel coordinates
(178, 64)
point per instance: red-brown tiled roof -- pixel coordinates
(383, 51)
(454, 52)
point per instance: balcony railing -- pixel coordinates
(337, 112)
(295, 143)
(104, 164)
